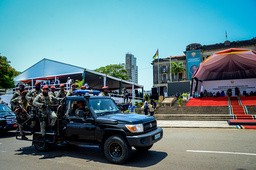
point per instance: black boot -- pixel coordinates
(24, 137)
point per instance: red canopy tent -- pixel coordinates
(227, 64)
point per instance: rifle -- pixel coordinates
(24, 110)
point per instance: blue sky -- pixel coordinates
(95, 33)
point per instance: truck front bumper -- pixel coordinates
(146, 139)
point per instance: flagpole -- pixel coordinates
(171, 68)
(158, 76)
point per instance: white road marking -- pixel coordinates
(221, 152)
(0, 143)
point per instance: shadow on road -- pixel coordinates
(8, 134)
(94, 153)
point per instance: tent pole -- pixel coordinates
(142, 94)
(104, 81)
(84, 76)
(120, 87)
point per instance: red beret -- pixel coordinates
(22, 85)
(105, 87)
(62, 85)
(53, 87)
(74, 84)
(37, 83)
(79, 104)
(45, 87)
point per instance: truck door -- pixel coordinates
(81, 125)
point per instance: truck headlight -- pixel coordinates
(135, 128)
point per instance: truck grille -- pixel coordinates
(149, 125)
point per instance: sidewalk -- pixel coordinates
(193, 124)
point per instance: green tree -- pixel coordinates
(177, 68)
(7, 73)
(115, 70)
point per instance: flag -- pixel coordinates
(226, 34)
(154, 57)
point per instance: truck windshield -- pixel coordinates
(103, 106)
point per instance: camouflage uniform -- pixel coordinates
(21, 113)
(70, 93)
(15, 96)
(44, 113)
(31, 95)
(61, 94)
(52, 94)
(104, 94)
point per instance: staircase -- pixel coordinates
(199, 113)
(240, 115)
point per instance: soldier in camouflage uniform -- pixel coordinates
(17, 94)
(31, 95)
(52, 92)
(55, 100)
(71, 91)
(62, 92)
(21, 111)
(43, 101)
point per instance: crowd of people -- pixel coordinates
(222, 93)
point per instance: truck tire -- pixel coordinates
(40, 146)
(143, 148)
(117, 150)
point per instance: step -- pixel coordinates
(212, 117)
(242, 122)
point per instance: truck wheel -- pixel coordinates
(143, 148)
(116, 149)
(40, 146)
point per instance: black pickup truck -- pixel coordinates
(96, 120)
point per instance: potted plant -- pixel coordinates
(180, 101)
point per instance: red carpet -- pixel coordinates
(250, 100)
(208, 101)
(239, 115)
(247, 127)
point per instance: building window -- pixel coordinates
(164, 78)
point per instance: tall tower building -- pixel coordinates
(131, 67)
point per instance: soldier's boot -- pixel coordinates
(24, 137)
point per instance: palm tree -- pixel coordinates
(177, 68)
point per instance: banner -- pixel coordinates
(193, 61)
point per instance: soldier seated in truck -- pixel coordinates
(81, 110)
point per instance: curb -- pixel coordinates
(194, 124)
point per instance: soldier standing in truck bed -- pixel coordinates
(71, 91)
(62, 92)
(31, 95)
(43, 102)
(52, 92)
(17, 94)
